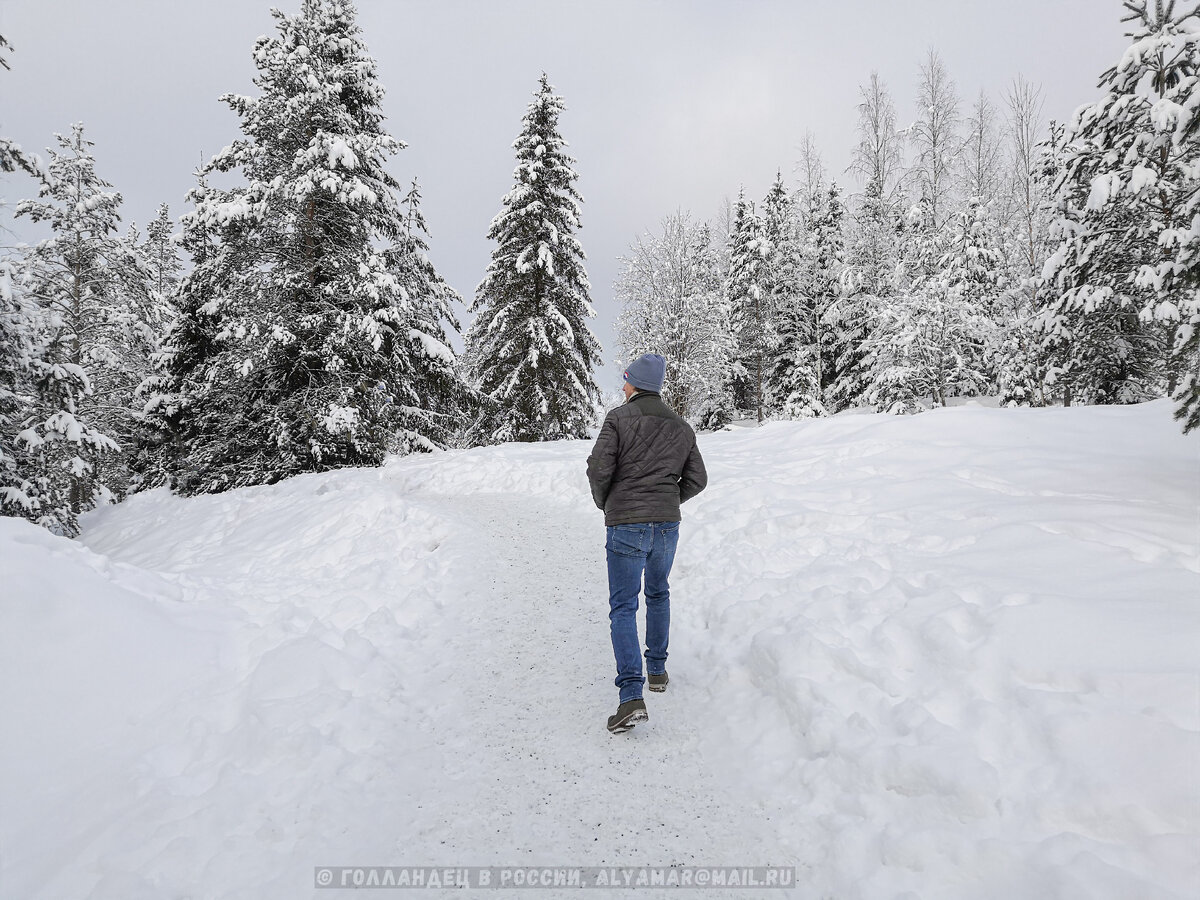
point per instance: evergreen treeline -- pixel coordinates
(295, 323)
(982, 255)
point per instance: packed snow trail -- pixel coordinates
(526, 740)
(947, 656)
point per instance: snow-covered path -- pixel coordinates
(949, 656)
(526, 740)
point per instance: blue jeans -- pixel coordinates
(647, 547)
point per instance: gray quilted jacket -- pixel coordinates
(645, 463)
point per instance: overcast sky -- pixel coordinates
(671, 104)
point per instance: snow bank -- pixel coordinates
(191, 718)
(93, 656)
(959, 649)
(943, 656)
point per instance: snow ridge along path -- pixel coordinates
(947, 656)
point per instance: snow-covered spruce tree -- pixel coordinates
(780, 237)
(782, 241)
(446, 397)
(160, 251)
(869, 278)
(672, 304)
(912, 298)
(158, 258)
(314, 352)
(18, 340)
(973, 268)
(57, 452)
(749, 306)
(793, 370)
(149, 458)
(187, 407)
(90, 285)
(152, 315)
(804, 362)
(1126, 318)
(931, 339)
(531, 351)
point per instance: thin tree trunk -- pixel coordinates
(758, 341)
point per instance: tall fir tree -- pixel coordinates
(160, 251)
(869, 278)
(89, 285)
(531, 351)
(18, 341)
(973, 269)
(749, 306)
(150, 461)
(804, 365)
(782, 245)
(447, 399)
(302, 351)
(179, 414)
(1125, 318)
(869, 283)
(780, 241)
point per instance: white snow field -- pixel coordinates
(955, 655)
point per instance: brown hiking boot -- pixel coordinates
(657, 683)
(628, 714)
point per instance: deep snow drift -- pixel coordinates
(947, 656)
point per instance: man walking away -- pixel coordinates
(644, 465)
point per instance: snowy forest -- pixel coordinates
(291, 320)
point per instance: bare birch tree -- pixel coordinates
(879, 155)
(935, 137)
(811, 170)
(1029, 216)
(981, 162)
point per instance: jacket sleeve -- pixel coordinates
(694, 478)
(602, 464)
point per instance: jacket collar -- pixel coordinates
(641, 393)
